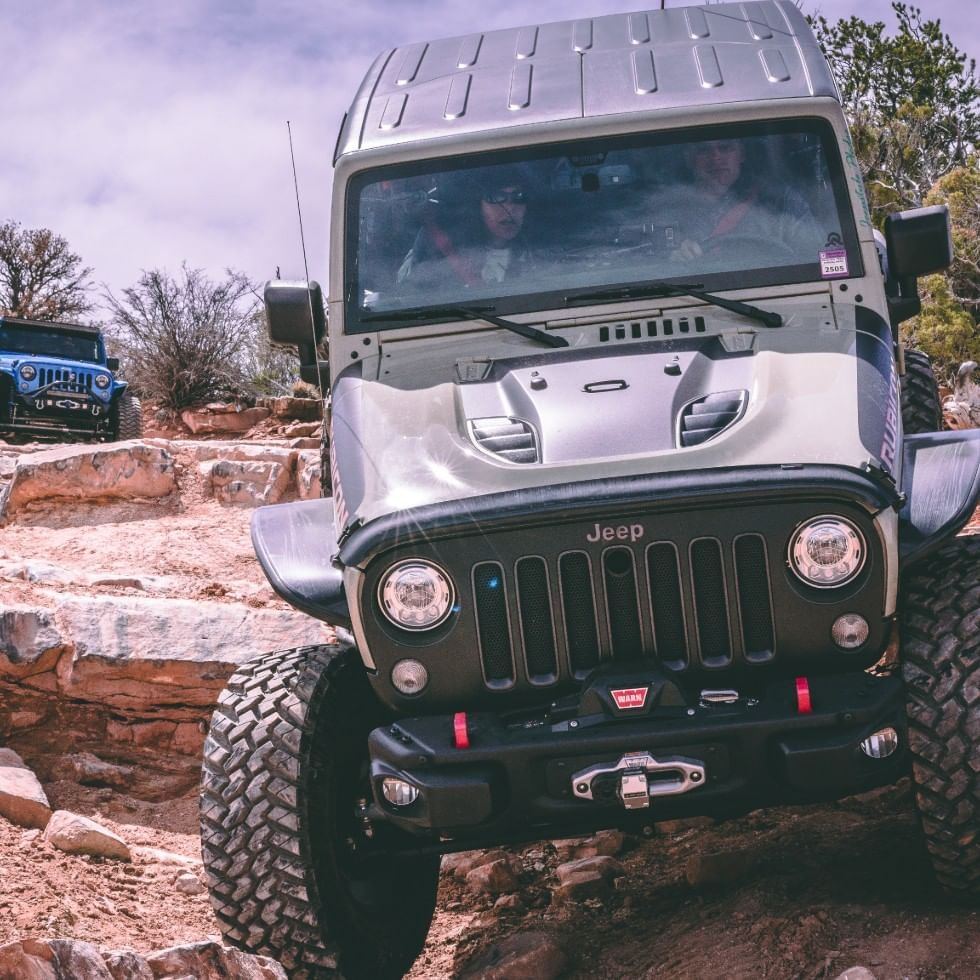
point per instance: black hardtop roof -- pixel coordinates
(50, 325)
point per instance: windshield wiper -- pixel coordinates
(484, 313)
(654, 289)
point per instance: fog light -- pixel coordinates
(409, 676)
(850, 631)
(881, 744)
(397, 792)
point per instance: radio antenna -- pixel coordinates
(306, 267)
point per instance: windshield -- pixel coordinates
(751, 205)
(15, 339)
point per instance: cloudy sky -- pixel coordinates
(151, 133)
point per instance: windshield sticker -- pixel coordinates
(833, 263)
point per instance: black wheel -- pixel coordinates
(941, 653)
(282, 839)
(921, 408)
(128, 421)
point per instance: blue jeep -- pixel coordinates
(57, 384)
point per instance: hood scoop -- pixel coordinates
(506, 438)
(709, 416)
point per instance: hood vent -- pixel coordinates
(511, 439)
(707, 417)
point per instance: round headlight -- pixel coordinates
(28, 372)
(102, 381)
(827, 551)
(416, 595)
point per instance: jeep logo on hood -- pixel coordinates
(615, 532)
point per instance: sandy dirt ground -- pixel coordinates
(814, 890)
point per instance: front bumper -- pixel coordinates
(56, 413)
(527, 778)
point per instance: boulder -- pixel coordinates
(587, 878)
(122, 470)
(188, 883)
(303, 409)
(248, 483)
(22, 798)
(212, 961)
(461, 863)
(89, 770)
(75, 834)
(54, 959)
(525, 956)
(124, 965)
(204, 422)
(609, 843)
(493, 878)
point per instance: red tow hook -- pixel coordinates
(461, 733)
(803, 704)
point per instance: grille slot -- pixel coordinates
(493, 628)
(537, 626)
(511, 439)
(637, 329)
(708, 417)
(619, 574)
(578, 607)
(710, 602)
(667, 603)
(754, 598)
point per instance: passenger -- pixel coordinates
(486, 243)
(729, 200)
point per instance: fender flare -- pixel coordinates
(296, 545)
(941, 480)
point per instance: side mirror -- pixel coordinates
(294, 315)
(918, 242)
(112, 363)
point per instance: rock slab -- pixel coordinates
(121, 470)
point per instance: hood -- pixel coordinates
(447, 422)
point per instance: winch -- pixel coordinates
(636, 778)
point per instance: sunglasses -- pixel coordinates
(505, 197)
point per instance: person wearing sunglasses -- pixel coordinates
(478, 245)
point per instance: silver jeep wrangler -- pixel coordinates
(635, 507)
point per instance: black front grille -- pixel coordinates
(77, 382)
(702, 605)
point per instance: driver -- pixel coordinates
(486, 243)
(728, 199)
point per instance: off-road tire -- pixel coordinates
(941, 655)
(326, 480)
(129, 418)
(283, 770)
(921, 408)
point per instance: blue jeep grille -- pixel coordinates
(67, 379)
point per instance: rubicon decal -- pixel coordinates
(630, 697)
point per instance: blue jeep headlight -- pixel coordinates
(28, 372)
(102, 381)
